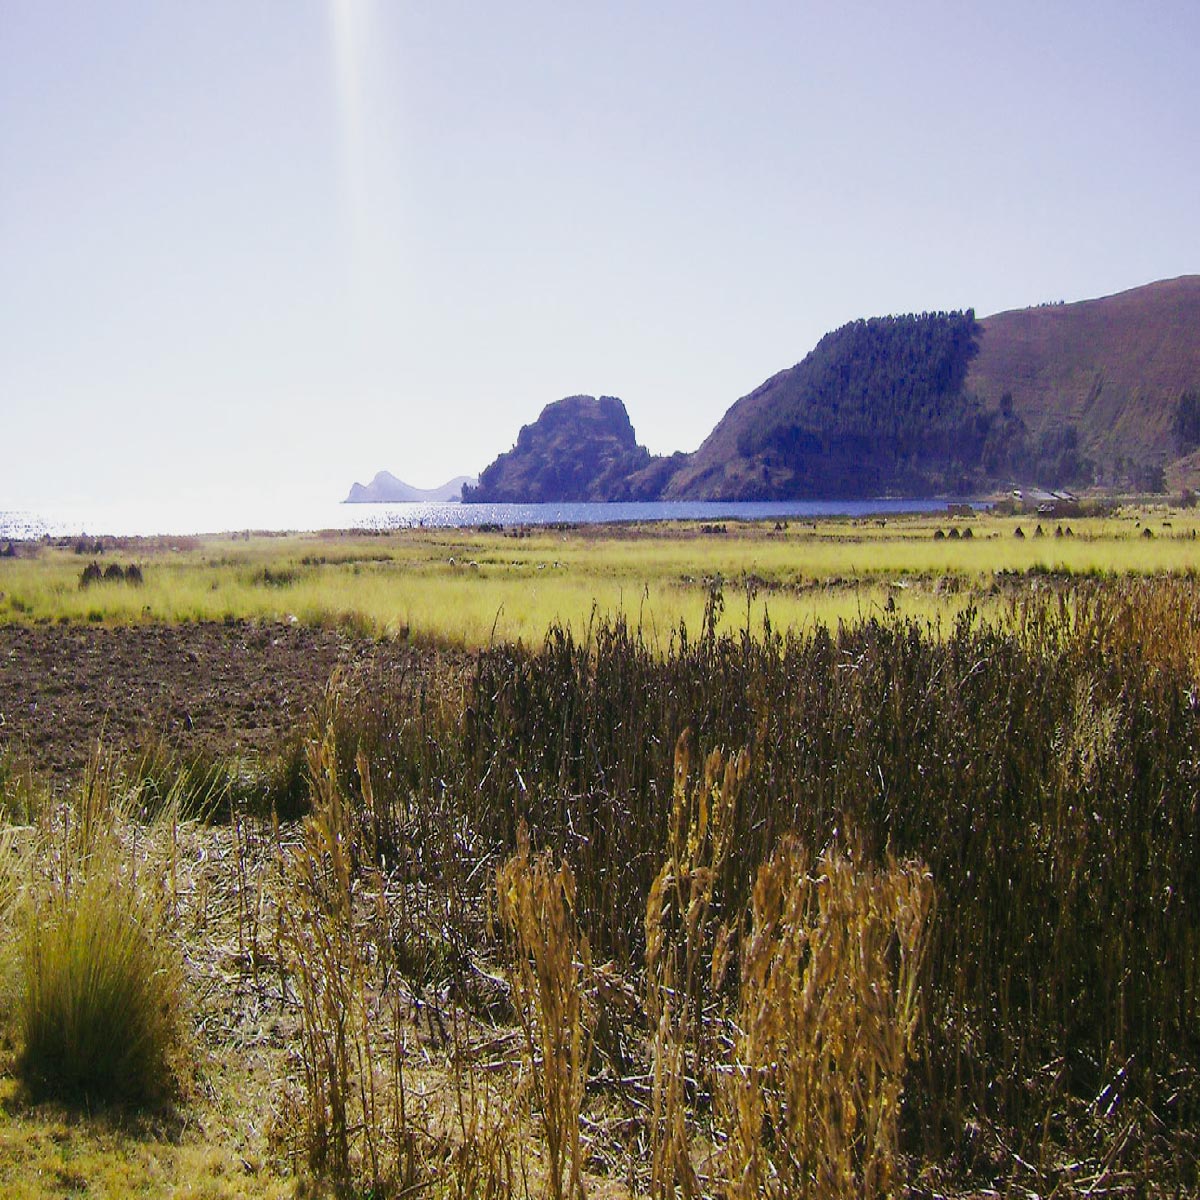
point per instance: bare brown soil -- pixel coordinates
(228, 689)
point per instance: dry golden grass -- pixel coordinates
(827, 1010)
(687, 953)
(353, 1031)
(550, 964)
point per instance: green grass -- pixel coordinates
(52, 1151)
(96, 1003)
(469, 588)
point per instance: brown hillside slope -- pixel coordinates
(1114, 367)
(716, 469)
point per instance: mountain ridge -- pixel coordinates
(1087, 393)
(1102, 392)
(874, 408)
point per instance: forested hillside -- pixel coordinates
(878, 406)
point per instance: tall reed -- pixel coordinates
(353, 1110)
(1044, 766)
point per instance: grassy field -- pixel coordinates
(900, 893)
(472, 589)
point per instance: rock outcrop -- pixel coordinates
(579, 449)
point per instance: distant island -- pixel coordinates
(1096, 394)
(385, 488)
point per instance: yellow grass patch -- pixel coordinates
(470, 588)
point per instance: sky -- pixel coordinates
(257, 247)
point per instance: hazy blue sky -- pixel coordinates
(279, 245)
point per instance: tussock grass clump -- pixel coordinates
(99, 988)
(98, 1002)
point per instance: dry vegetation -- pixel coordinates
(845, 910)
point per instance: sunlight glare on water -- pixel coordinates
(227, 515)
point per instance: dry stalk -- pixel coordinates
(828, 1005)
(687, 952)
(249, 892)
(486, 1161)
(536, 906)
(353, 1125)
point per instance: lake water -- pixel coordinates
(141, 521)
